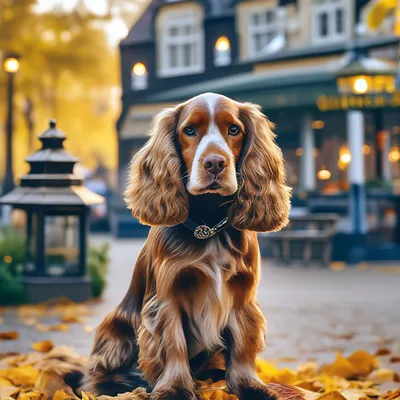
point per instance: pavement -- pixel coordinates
(312, 312)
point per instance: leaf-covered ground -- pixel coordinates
(312, 313)
(38, 374)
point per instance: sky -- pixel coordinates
(116, 29)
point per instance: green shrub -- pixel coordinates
(98, 262)
(12, 248)
(12, 253)
(11, 288)
(12, 256)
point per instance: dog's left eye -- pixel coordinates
(189, 130)
(234, 130)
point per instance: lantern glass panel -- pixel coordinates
(31, 243)
(61, 245)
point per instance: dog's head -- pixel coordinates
(210, 144)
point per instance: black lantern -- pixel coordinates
(363, 75)
(57, 207)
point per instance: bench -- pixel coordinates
(307, 238)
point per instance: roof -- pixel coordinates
(249, 81)
(142, 31)
(46, 196)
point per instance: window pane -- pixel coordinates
(258, 42)
(195, 60)
(173, 31)
(270, 36)
(62, 245)
(339, 20)
(270, 16)
(187, 30)
(255, 19)
(173, 56)
(323, 24)
(187, 56)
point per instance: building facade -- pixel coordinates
(285, 56)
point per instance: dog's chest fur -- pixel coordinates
(208, 305)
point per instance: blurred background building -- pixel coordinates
(308, 63)
(320, 73)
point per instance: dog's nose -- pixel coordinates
(214, 163)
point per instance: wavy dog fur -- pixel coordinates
(189, 298)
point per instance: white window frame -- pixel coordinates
(278, 26)
(330, 7)
(165, 40)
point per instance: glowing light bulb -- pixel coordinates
(223, 44)
(11, 65)
(139, 69)
(324, 174)
(360, 85)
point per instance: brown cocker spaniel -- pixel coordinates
(209, 178)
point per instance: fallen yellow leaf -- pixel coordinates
(59, 327)
(31, 395)
(87, 396)
(9, 335)
(341, 367)
(88, 329)
(21, 376)
(363, 362)
(70, 319)
(334, 395)
(42, 328)
(43, 347)
(381, 375)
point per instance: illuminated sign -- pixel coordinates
(351, 101)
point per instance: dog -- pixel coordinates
(209, 178)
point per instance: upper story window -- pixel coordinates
(180, 42)
(329, 21)
(265, 26)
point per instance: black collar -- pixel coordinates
(211, 210)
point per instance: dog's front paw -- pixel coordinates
(174, 394)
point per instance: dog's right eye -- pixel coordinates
(189, 130)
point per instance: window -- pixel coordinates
(264, 26)
(180, 41)
(328, 21)
(139, 77)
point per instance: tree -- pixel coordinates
(68, 71)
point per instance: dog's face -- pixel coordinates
(227, 148)
(211, 136)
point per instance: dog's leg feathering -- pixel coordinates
(163, 356)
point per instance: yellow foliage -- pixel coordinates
(42, 379)
(21, 376)
(60, 327)
(341, 367)
(378, 13)
(9, 335)
(43, 347)
(363, 362)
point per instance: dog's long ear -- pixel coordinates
(263, 199)
(155, 192)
